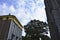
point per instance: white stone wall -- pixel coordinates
(14, 30)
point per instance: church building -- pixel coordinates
(10, 28)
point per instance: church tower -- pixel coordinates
(52, 8)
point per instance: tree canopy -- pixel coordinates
(35, 29)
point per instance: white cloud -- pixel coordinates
(26, 10)
(33, 11)
(3, 9)
(12, 9)
(4, 6)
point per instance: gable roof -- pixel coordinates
(13, 18)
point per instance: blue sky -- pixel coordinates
(24, 10)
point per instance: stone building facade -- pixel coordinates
(10, 28)
(52, 8)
